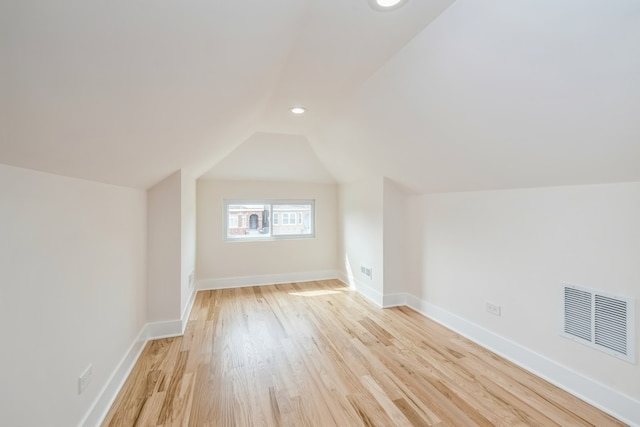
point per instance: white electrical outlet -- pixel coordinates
(493, 309)
(85, 379)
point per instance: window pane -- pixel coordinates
(248, 221)
(297, 219)
(264, 219)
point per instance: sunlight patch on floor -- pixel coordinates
(315, 293)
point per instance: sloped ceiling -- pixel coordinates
(499, 94)
(437, 95)
(272, 157)
(126, 92)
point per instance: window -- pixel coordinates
(251, 220)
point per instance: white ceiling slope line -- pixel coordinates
(272, 157)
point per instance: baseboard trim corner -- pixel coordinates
(394, 300)
(166, 329)
(368, 292)
(187, 310)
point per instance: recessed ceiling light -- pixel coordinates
(298, 110)
(386, 4)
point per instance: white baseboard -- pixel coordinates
(368, 292)
(107, 395)
(394, 300)
(373, 295)
(151, 331)
(166, 329)
(187, 310)
(344, 278)
(608, 400)
(261, 280)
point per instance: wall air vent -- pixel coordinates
(599, 320)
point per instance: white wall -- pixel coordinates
(188, 241)
(217, 258)
(164, 240)
(373, 214)
(172, 251)
(514, 248)
(72, 291)
(361, 241)
(394, 241)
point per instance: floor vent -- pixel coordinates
(599, 320)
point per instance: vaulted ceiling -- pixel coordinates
(437, 95)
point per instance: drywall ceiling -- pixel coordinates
(438, 96)
(128, 92)
(499, 94)
(272, 157)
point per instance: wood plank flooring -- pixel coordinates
(318, 354)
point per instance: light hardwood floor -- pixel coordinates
(318, 354)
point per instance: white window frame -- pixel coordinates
(270, 236)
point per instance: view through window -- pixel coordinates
(249, 220)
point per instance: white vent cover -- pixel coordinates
(599, 320)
